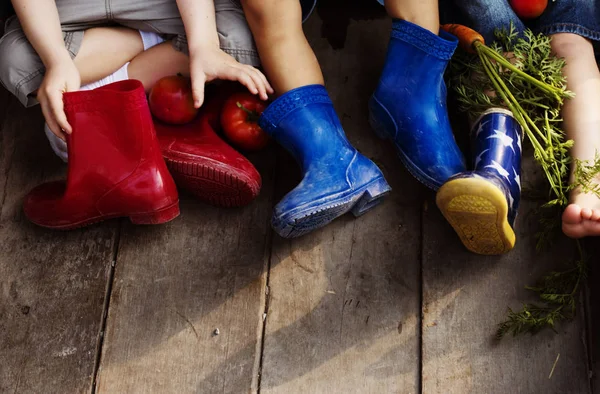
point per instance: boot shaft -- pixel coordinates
(305, 123)
(113, 151)
(416, 59)
(496, 140)
(496, 137)
(112, 132)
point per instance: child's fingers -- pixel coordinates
(258, 81)
(52, 125)
(243, 77)
(57, 111)
(270, 89)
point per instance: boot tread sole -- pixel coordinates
(359, 202)
(215, 186)
(478, 212)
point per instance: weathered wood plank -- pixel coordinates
(344, 300)
(465, 296)
(175, 285)
(6, 142)
(53, 283)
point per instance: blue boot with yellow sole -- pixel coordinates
(481, 205)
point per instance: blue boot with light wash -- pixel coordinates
(336, 177)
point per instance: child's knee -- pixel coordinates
(569, 45)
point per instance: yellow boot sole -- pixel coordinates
(478, 212)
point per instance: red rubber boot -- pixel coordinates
(115, 165)
(205, 165)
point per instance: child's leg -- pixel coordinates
(424, 13)
(286, 56)
(104, 50)
(582, 123)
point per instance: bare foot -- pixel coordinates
(582, 124)
(582, 217)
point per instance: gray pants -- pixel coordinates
(22, 71)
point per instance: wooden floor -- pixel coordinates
(387, 303)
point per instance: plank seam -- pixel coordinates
(347, 281)
(269, 246)
(106, 306)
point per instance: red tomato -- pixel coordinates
(171, 100)
(239, 119)
(528, 9)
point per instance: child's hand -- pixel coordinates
(210, 63)
(60, 77)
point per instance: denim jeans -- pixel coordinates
(580, 17)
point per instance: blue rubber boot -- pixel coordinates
(482, 204)
(409, 104)
(337, 178)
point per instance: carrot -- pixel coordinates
(467, 37)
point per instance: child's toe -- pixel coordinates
(586, 213)
(572, 214)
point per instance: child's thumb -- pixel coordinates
(198, 89)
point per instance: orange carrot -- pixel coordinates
(467, 37)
